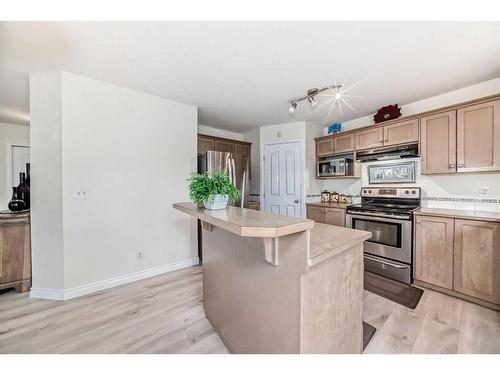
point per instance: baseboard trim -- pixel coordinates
(62, 295)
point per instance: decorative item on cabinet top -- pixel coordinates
(389, 112)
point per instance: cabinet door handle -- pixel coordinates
(381, 141)
(460, 165)
(386, 140)
(418, 221)
(452, 165)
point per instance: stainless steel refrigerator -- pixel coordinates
(238, 169)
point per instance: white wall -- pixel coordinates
(449, 186)
(9, 133)
(253, 136)
(479, 90)
(47, 250)
(207, 130)
(132, 152)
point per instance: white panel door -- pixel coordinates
(282, 170)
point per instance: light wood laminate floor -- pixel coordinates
(164, 314)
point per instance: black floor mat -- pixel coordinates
(393, 290)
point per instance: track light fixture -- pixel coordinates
(311, 97)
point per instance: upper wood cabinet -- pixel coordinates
(344, 143)
(242, 149)
(401, 132)
(205, 144)
(478, 137)
(223, 145)
(324, 147)
(434, 250)
(370, 138)
(438, 140)
(477, 259)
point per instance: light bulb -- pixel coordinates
(338, 95)
(292, 107)
(312, 101)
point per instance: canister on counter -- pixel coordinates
(348, 199)
(334, 197)
(342, 198)
(325, 197)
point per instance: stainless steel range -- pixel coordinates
(388, 214)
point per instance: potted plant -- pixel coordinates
(213, 191)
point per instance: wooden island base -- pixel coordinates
(300, 292)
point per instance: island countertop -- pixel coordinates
(277, 284)
(245, 222)
(330, 240)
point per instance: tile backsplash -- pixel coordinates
(454, 191)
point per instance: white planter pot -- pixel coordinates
(219, 203)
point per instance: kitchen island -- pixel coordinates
(276, 284)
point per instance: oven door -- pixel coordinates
(391, 238)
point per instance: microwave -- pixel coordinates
(334, 166)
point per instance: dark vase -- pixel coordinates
(23, 190)
(28, 175)
(15, 203)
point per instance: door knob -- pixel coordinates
(296, 201)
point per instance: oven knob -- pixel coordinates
(364, 191)
(407, 192)
(413, 192)
(369, 191)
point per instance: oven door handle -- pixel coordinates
(398, 219)
(393, 265)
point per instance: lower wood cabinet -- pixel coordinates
(434, 250)
(477, 259)
(254, 206)
(462, 256)
(15, 252)
(326, 215)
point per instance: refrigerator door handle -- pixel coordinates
(243, 183)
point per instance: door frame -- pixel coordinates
(301, 143)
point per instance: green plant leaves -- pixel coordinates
(203, 188)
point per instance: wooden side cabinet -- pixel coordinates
(477, 259)
(434, 250)
(15, 252)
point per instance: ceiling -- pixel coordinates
(242, 74)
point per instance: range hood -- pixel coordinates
(388, 153)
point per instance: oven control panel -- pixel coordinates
(390, 192)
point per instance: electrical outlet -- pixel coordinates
(81, 193)
(484, 190)
(140, 255)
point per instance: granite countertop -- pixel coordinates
(330, 240)
(245, 222)
(332, 205)
(460, 214)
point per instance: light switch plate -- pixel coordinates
(81, 193)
